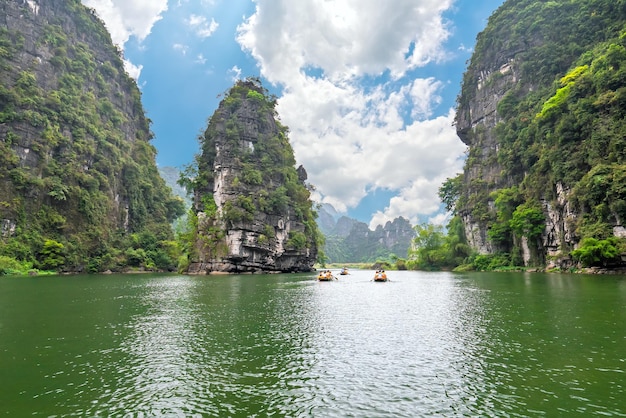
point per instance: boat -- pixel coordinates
(325, 276)
(344, 271)
(380, 276)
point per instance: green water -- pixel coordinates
(422, 344)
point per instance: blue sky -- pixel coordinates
(366, 87)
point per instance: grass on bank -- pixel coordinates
(13, 267)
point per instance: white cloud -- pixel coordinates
(126, 18)
(235, 73)
(345, 38)
(423, 94)
(133, 70)
(182, 48)
(202, 27)
(354, 137)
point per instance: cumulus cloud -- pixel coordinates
(352, 134)
(346, 38)
(133, 70)
(235, 73)
(126, 18)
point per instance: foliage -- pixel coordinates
(528, 220)
(52, 255)
(10, 265)
(489, 262)
(450, 191)
(596, 252)
(433, 249)
(296, 241)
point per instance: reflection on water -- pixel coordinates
(423, 344)
(156, 375)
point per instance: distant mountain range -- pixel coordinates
(349, 240)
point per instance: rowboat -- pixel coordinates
(325, 276)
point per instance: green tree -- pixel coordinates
(450, 191)
(52, 255)
(428, 247)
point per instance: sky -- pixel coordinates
(367, 88)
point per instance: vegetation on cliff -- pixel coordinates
(79, 186)
(542, 110)
(560, 135)
(251, 204)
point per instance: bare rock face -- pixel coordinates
(253, 210)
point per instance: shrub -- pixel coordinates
(10, 265)
(599, 252)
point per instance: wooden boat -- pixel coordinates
(325, 276)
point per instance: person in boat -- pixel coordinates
(383, 275)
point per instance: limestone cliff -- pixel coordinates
(77, 172)
(541, 109)
(252, 208)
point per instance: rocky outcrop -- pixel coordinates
(76, 166)
(253, 209)
(526, 48)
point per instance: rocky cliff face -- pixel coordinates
(514, 144)
(76, 166)
(253, 209)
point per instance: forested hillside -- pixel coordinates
(79, 187)
(542, 109)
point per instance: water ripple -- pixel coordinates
(420, 345)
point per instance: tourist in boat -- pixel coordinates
(380, 276)
(325, 275)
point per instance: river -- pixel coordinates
(420, 345)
